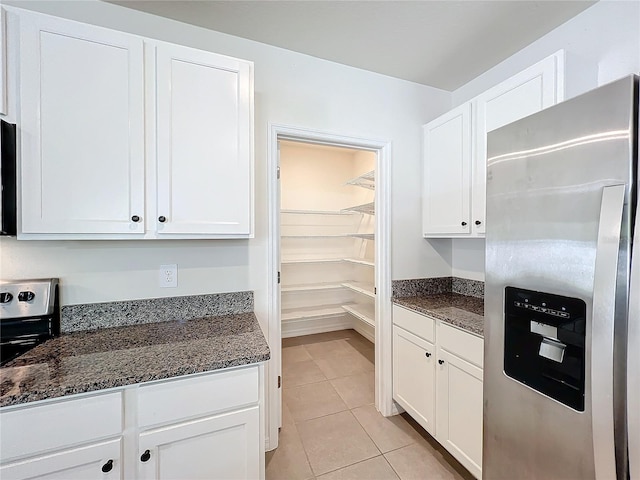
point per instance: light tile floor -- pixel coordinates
(331, 429)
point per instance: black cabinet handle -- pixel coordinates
(145, 456)
(135, 218)
(107, 466)
(427, 354)
(464, 224)
(441, 362)
(162, 219)
(478, 222)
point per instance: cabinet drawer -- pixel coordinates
(85, 463)
(465, 345)
(171, 401)
(420, 325)
(33, 429)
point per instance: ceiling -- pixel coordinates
(441, 43)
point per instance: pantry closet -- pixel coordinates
(327, 243)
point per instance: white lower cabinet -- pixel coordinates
(414, 377)
(459, 410)
(97, 461)
(437, 379)
(223, 446)
(205, 426)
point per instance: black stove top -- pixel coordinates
(29, 315)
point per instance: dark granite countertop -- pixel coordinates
(114, 357)
(458, 310)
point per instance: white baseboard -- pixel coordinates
(396, 409)
(364, 329)
(309, 326)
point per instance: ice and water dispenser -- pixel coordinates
(544, 343)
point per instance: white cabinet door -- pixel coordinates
(528, 92)
(414, 377)
(225, 447)
(204, 132)
(99, 461)
(459, 410)
(447, 173)
(3, 64)
(81, 128)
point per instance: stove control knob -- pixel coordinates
(26, 296)
(5, 297)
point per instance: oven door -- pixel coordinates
(20, 335)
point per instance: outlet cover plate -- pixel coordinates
(168, 276)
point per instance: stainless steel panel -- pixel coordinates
(545, 181)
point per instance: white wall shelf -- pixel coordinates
(321, 235)
(360, 261)
(364, 236)
(366, 313)
(293, 261)
(311, 286)
(315, 212)
(361, 287)
(366, 180)
(313, 312)
(366, 208)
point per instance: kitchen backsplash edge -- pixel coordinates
(431, 286)
(92, 316)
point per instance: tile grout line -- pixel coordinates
(356, 463)
(306, 456)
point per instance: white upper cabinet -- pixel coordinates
(81, 128)
(3, 63)
(454, 197)
(124, 137)
(204, 142)
(447, 173)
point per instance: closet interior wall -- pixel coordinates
(327, 244)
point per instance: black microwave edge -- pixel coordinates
(8, 179)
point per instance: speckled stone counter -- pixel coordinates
(458, 310)
(113, 357)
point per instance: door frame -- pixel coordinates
(383, 323)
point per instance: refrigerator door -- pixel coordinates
(559, 195)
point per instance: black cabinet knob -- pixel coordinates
(427, 354)
(26, 296)
(107, 467)
(5, 297)
(464, 224)
(145, 456)
(478, 222)
(135, 218)
(441, 362)
(162, 219)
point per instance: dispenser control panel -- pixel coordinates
(544, 343)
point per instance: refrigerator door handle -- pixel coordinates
(602, 330)
(633, 356)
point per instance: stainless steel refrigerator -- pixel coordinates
(562, 294)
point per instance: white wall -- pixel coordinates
(290, 89)
(602, 44)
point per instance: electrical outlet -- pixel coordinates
(168, 276)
